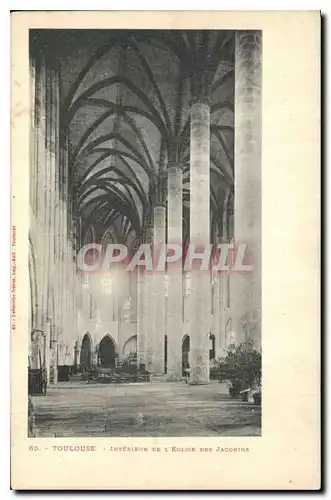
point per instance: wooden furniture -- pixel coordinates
(37, 381)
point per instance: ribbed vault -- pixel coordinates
(125, 103)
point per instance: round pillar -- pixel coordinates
(199, 239)
(159, 330)
(246, 289)
(174, 273)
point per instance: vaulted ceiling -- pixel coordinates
(125, 99)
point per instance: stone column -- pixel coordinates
(94, 354)
(216, 326)
(77, 349)
(141, 313)
(33, 138)
(53, 362)
(40, 112)
(33, 228)
(57, 215)
(200, 238)
(159, 291)
(50, 210)
(37, 169)
(216, 297)
(62, 167)
(47, 348)
(49, 186)
(64, 235)
(73, 333)
(174, 273)
(40, 154)
(37, 349)
(246, 294)
(149, 310)
(223, 280)
(141, 318)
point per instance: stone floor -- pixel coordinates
(77, 409)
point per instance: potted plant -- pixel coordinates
(257, 396)
(241, 368)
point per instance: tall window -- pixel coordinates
(186, 291)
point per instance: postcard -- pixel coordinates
(165, 242)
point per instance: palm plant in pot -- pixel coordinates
(241, 368)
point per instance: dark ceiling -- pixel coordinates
(125, 101)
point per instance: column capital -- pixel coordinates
(148, 236)
(174, 165)
(199, 99)
(249, 39)
(174, 149)
(160, 191)
(146, 217)
(159, 204)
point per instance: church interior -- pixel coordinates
(142, 137)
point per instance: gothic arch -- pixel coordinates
(212, 348)
(89, 236)
(130, 346)
(86, 352)
(108, 237)
(228, 235)
(230, 216)
(185, 353)
(107, 352)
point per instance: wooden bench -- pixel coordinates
(115, 376)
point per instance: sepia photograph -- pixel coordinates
(145, 233)
(165, 271)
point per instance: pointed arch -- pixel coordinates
(90, 63)
(185, 353)
(107, 82)
(212, 348)
(108, 237)
(130, 346)
(133, 154)
(107, 352)
(86, 352)
(89, 236)
(154, 84)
